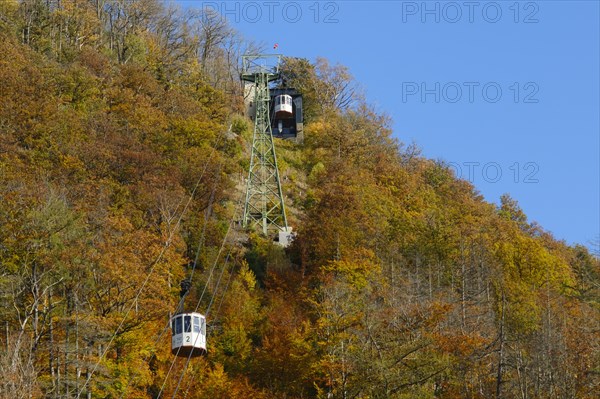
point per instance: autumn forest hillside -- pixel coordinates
(124, 146)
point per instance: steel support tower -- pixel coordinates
(264, 208)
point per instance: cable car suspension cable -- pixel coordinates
(153, 266)
(189, 281)
(231, 222)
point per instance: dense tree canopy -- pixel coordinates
(123, 149)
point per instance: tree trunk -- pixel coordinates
(500, 352)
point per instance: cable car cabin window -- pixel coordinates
(177, 325)
(196, 324)
(203, 326)
(187, 324)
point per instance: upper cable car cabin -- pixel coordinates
(283, 106)
(286, 114)
(188, 334)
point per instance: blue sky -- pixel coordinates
(507, 92)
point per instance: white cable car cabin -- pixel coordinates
(283, 106)
(189, 335)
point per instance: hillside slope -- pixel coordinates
(123, 149)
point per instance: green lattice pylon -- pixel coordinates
(264, 208)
